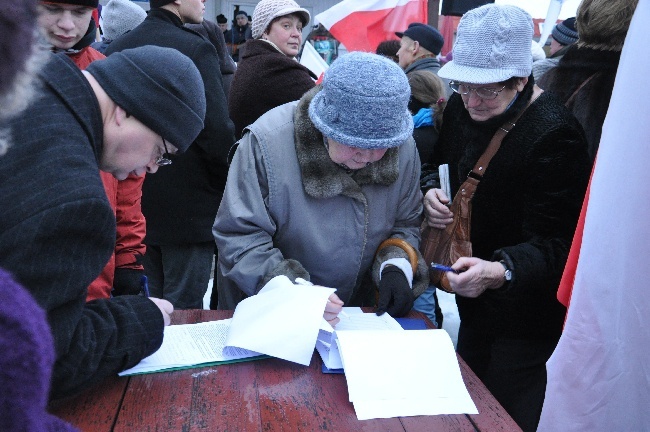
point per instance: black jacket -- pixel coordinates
(57, 231)
(524, 211)
(591, 101)
(181, 201)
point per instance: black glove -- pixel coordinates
(127, 281)
(395, 294)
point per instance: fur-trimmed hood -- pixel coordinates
(321, 177)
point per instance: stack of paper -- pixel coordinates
(282, 321)
(350, 319)
(403, 373)
(192, 345)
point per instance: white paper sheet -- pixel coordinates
(188, 345)
(403, 373)
(352, 319)
(282, 320)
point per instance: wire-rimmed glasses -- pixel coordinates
(163, 159)
(486, 93)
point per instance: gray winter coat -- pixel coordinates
(289, 210)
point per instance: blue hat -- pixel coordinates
(363, 102)
(428, 37)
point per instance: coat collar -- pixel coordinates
(321, 177)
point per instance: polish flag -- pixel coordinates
(360, 25)
(599, 374)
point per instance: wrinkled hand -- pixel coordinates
(395, 294)
(476, 276)
(436, 211)
(165, 307)
(333, 307)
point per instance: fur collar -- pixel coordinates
(321, 177)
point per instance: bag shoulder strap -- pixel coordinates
(495, 143)
(575, 93)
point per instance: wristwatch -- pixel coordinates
(507, 274)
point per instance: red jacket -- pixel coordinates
(124, 197)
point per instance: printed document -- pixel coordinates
(287, 330)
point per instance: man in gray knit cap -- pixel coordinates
(324, 202)
(57, 229)
(181, 203)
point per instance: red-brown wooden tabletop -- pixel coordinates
(261, 395)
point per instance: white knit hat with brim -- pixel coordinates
(492, 45)
(267, 10)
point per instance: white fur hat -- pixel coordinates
(267, 10)
(492, 45)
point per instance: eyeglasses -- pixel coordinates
(486, 93)
(162, 159)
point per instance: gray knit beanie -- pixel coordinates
(363, 102)
(121, 16)
(492, 45)
(160, 87)
(267, 10)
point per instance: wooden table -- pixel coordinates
(261, 395)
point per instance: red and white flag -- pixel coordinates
(361, 25)
(599, 374)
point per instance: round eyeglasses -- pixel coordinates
(163, 159)
(486, 93)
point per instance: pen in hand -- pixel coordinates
(444, 268)
(144, 283)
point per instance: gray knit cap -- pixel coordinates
(160, 87)
(121, 16)
(363, 102)
(267, 10)
(492, 45)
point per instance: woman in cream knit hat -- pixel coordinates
(268, 74)
(524, 210)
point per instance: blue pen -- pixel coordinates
(144, 283)
(444, 268)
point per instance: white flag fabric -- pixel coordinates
(599, 374)
(312, 60)
(361, 25)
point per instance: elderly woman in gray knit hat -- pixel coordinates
(317, 186)
(268, 74)
(524, 210)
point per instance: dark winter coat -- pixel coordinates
(181, 201)
(57, 231)
(524, 211)
(265, 78)
(211, 31)
(591, 102)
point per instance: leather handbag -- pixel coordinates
(445, 246)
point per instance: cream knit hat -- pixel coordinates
(492, 45)
(267, 10)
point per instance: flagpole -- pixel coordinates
(433, 8)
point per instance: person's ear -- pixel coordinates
(521, 83)
(120, 115)
(415, 47)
